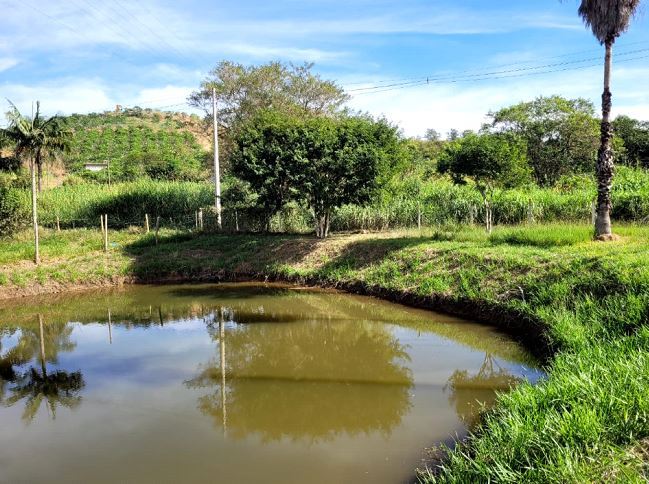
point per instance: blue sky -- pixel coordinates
(89, 55)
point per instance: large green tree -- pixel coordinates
(244, 91)
(342, 163)
(267, 155)
(490, 161)
(608, 19)
(319, 161)
(635, 135)
(560, 134)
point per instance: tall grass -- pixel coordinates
(125, 203)
(438, 203)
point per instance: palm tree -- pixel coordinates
(608, 19)
(35, 139)
(55, 388)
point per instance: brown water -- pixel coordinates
(237, 383)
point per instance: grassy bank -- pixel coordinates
(585, 303)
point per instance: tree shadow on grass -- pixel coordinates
(209, 257)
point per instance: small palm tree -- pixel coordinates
(608, 19)
(49, 137)
(35, 139)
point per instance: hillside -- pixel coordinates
(137, 142)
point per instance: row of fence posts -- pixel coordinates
(199, 222)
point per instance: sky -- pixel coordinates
(78, 56)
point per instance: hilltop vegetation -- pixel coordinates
(137, 143)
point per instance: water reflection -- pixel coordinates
(471, 392)
(308, 381)
(35, 385)
(185, 383)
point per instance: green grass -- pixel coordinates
(585, 302)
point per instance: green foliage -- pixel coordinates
(489, 160)
(36, 139)
(341, 163)
(245, 91)
(136, 145)
(322, 162)
(14, 209)
(125, 203)
(635, 135)
(562, 135)
(268, 158)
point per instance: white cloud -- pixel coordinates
(289, 53)
(7, 63)
(444, 107)
(63, 96)
(160, 96)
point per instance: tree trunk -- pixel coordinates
(320, 223)
(487, 215)
(605, 168)
(37, 256)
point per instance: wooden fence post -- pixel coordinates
(157, 227)
(146, 222)
(105, 232)
(593, 213)
(419, 216)
(200, 218)
(58, 224)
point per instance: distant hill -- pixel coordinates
(137, 142)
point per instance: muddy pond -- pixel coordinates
(238, 383)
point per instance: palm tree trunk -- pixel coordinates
(605, 167)
(37, 256)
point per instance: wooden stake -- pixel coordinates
(593, 213)
(105, 232)
(58, 224)
(200, 218)
(157, 227)
(419, 216)
(146, 222)
(110, 330)
(37, 254)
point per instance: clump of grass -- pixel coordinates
(547, 236)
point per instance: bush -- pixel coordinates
(14, 211)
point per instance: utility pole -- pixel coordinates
(217, 171)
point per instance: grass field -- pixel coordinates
(584, 304)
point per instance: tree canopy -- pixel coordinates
(635, 136)
(319, 161)
(244, 91)
(562, 135)
(489, 160)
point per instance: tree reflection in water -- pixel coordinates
(310, 381)
(471, 393)
(35, 385)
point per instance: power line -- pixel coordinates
(507, 65)
(484, 74)
(155, 34)
(488, 78)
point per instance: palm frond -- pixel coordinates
(608, 19)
